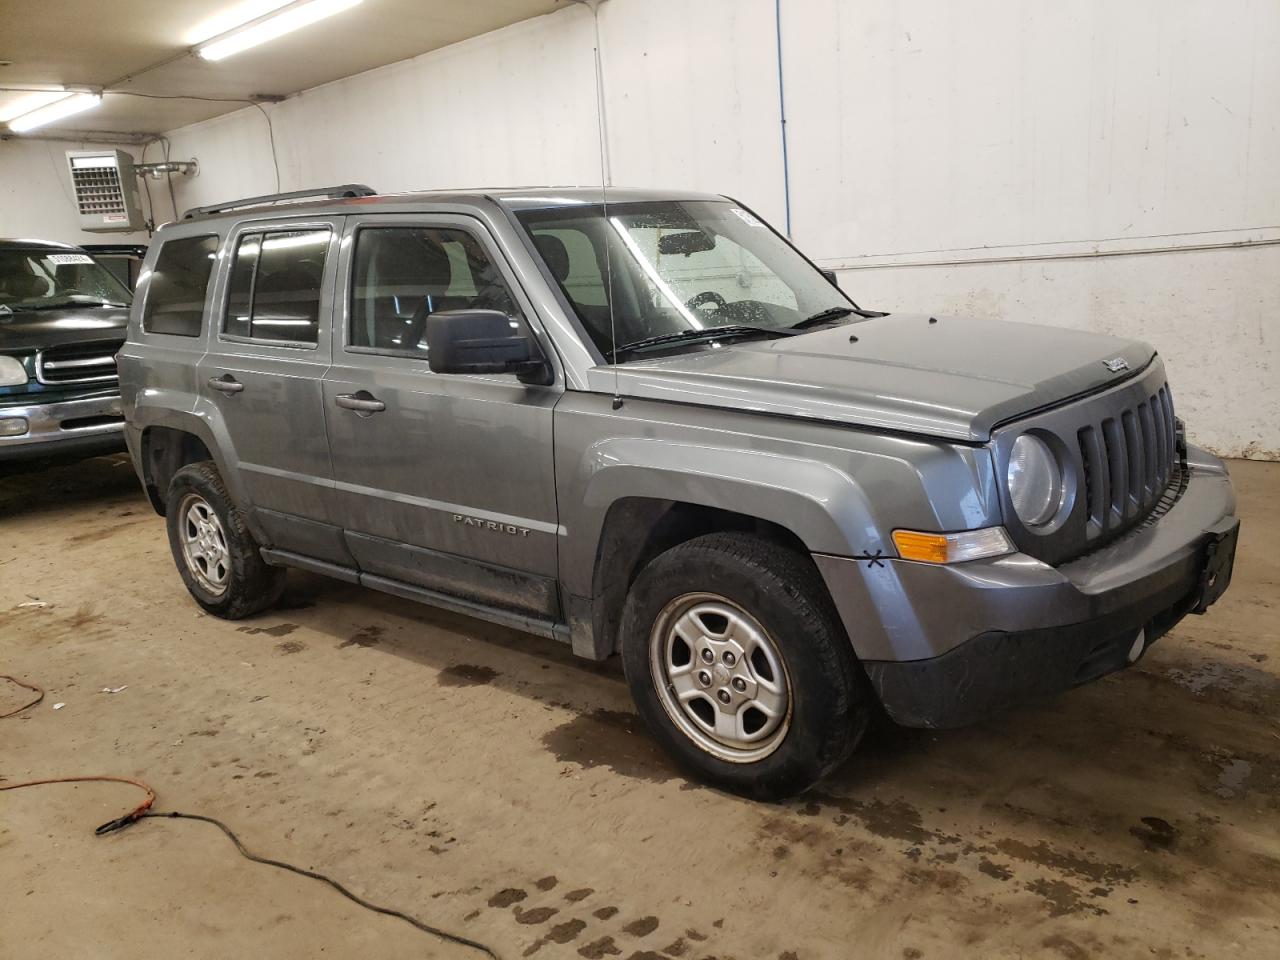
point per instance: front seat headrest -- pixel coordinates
(555, 253)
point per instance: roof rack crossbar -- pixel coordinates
(317, 193)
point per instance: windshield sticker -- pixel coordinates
(747, 218)
(61, 259)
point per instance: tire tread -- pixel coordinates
(256, 585)
(778, 568)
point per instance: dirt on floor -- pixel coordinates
(487, 782)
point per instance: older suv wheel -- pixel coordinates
(740, 667)
(215, 553)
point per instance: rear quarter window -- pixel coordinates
(179, 282)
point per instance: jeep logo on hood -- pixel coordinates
(1116, 364)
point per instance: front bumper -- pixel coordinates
(85, 426)
(946, 645)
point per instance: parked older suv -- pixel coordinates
(62, 319)
(651, 427)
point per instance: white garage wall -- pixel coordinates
(516, 106)
(35, 194)
(1023, 159)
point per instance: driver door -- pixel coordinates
(444, 481)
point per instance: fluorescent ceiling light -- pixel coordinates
(276, 25)
(234, 16)
(32, 101)
(65, 107)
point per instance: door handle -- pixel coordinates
(362, 402)
(226, 384)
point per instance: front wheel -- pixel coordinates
(214, 550)
(740, 667)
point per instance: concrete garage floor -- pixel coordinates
(487, 782)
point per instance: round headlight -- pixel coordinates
(1035, 481)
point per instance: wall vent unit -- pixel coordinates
(106, 190)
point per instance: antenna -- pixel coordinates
(594, 7)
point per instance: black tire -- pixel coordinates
(251, 585)
(830, 701)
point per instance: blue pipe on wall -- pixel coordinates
(782, 115)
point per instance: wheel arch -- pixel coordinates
(170, 441)
(637, 529)
(639, 502)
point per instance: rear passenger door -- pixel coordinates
(443, 481)
(263, 374)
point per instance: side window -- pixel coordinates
(274, 293)
(179, 280)
(404, 274)
(240, 289)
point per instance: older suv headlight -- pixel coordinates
(1035, 481)
(12, 372)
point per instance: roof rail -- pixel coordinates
(317, 193)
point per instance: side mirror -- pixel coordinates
(831, 277)
(482, 341)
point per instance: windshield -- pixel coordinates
(44, 279)
(677, 266)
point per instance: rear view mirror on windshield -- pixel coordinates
(686, 242)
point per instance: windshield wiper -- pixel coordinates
(824, 316)
(835, 313)
(701, 334)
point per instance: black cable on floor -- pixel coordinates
(141, 812)
(38, 691)
(354, 898)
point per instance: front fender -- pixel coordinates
(816, 501)
(841, 492)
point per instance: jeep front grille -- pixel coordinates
(1127, 460)
(77, 363)
(1119, 454)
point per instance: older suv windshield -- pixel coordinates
(679, 268)
(48, 279)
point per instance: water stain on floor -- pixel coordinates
(534, 915)
(560, 934)
(506, 897)
(465, 675)
(369, 636)
(279, 630)
(1155, 833)
(641, 927)
(612, 739)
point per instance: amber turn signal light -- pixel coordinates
(952, 547)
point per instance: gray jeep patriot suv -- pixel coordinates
(651, 427)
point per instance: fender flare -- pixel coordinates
(822, 505)
(209, 430)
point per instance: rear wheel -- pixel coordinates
(739, 665)
(215, 553)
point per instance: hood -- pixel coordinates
(38, 329)
(952, 377)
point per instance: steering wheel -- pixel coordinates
(705, 297)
